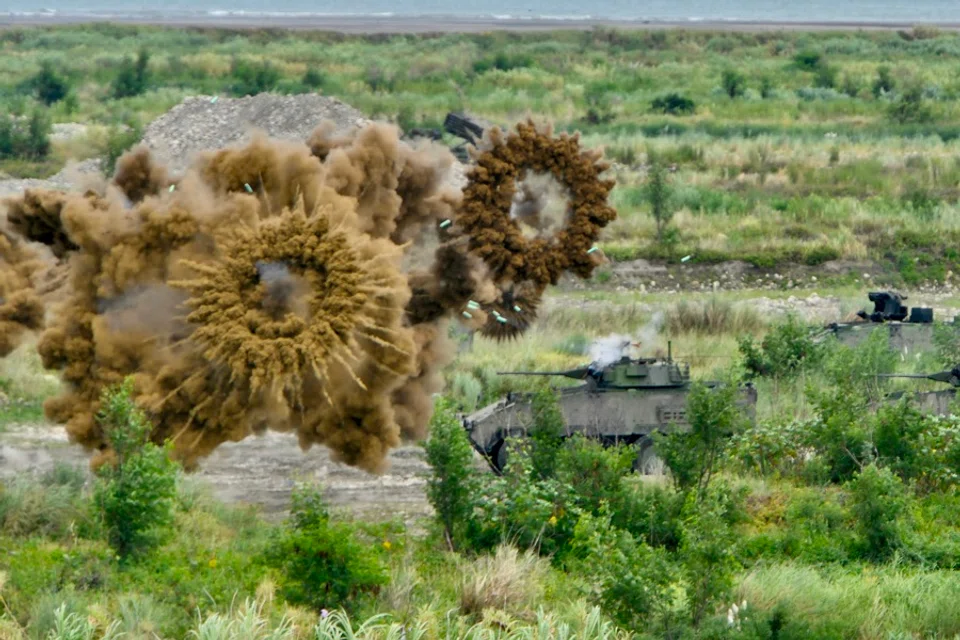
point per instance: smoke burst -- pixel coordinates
(296, 287)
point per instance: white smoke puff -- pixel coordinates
(607, 350)
(649, 332)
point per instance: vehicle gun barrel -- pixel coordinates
(949, 376)
(575, 374)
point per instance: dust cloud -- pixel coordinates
(305, 288)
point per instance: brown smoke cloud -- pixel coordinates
(295, 287)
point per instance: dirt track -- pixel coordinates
(259, 471)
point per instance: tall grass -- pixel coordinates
(711, 317)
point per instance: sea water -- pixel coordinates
(857, 11)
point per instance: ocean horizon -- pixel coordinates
(693, 11)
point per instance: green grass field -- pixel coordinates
(801, 147)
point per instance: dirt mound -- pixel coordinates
(203, 123)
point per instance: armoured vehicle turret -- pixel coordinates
(910, 330)
(933, 402)
(625, 401)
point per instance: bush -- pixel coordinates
(884, 82)
(630, 580)
(707, 555)
(546, 434)
(674, 104)
(48, 85)
(25, 138)
(250, 78)
(693, 457)
(119, 141)
(133, 78)
(785, 351)
(313, 78)
(507, 581)
(879, 502)
(910, 107)
(322, 563)
(733, 82)
(659, 195)
(451, 486)
(136, 489)
(808, 60)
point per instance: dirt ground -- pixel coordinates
(258, 471)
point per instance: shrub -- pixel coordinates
(48, 85)
(119, 141)
(133, 78)
(507, 581)
(25, 138)
(693, 457)
(136, 489)
(250, 78)
(674, 104)
(546, 434)
(884, 82)
(630, 580)
(712, 317)
(451, 486)
(707, 556)
(879, 503)
(808, 60)
(910, 107)
(733, 82)
(658, 194)
(785, 351)
(313, 78)
(322, 563)
(825, 76)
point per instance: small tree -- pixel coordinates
(253, 78)
(323, 564)
(658, 194)
(134, 76)
(49, 86)
(734, 83)
(546, 434)
(884, 83)
(693, 457)
(451, 486)
(136, 490)
(707, 555)
(879, 502)
(910, 107)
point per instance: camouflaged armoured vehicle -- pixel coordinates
(910, 330)
(941, 402)
(626, 401)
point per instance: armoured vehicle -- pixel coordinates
(910, 330)
(934, 402)
(625, 401)
(466, 128)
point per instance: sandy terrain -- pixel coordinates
(258, 471)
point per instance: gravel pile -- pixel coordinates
(202, 123)
(71, 176)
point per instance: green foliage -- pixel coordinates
(136, 489)
(880, 503)
(452, 486)
(546, 433)
(49, 85)
(323, 564)
(119, 141)
(27, 138)
(808, 60)
(630, 580)
(693, 457)
(708, 560)
(659, 195)
(674, 104)
(133, 78)
(251, 78)
(313, 78)
(733, 82)
(910, 107)
(784, 352)
(884, 82)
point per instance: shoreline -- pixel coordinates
(445, 24)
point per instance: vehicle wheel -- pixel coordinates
(498, 456)
(647, 462)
